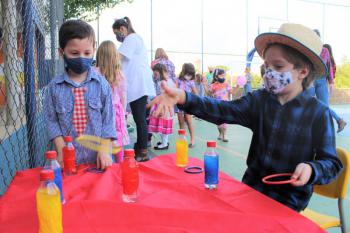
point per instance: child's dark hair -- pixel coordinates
(262, 70)
(328, 46)
(161, 70)
(187, 68)
(216, 73)
(123, 22)
(75, 29)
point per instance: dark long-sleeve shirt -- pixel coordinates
(300, 131)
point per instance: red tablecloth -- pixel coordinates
(170, 201)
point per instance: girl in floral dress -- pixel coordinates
(220, 90)
(186, 83)
(162, 125)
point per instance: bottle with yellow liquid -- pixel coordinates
(48, 204)
(181, 149)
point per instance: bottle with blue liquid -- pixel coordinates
(52, 164)
(211, 166)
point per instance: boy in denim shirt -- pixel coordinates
(79, 101)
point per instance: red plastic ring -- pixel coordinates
(266, 179)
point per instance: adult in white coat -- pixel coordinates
(138, 74)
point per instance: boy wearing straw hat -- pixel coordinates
(292, 131)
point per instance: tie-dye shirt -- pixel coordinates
(186, 85)
(220, 90)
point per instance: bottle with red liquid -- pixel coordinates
(68, 153)
(130, 177)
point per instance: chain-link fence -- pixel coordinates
(28, 60)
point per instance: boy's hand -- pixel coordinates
(167, 100)
(302, 174)
(103, 160)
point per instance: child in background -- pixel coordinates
(162, 125)
(79, 101)
(220, 90)
(200, 85)
(185, 82)
(292, 131)
(109, 65)
(248, 86)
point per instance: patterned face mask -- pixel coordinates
(275, 82)
(188, 77)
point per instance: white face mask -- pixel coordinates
(275, 82)
(188, 77)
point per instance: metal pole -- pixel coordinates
(98, 25)
(29, 77)
(287, 10)
(202, 34)
(60, 19)
(247, 28)
(151, 30)
(323, 20)
(13, 91)
(53, 31)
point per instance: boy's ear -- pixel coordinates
(304, 72)
(60, 52)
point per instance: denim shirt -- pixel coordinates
(59, 105)
(300, 131)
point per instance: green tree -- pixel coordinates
(88, 9)
(342, 76)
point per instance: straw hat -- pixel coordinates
(298, 37)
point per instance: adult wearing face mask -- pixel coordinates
(138, 74)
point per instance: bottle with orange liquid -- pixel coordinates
(181, 149)
(130, 176)
(48, 204)
(68, 153)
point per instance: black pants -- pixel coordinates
(138, 110)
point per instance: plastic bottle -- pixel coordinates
(130, 176)
(52, 164)
(211, 166)
(68, 153)
(48, 204)
(181, 149)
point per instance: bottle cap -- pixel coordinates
(181, 132)
(46, 175)
(129, 153)
(51, 154)
(68, 139)
(211, 144)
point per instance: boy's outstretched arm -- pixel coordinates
(212, 110)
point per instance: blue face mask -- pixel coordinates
(78, 65)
